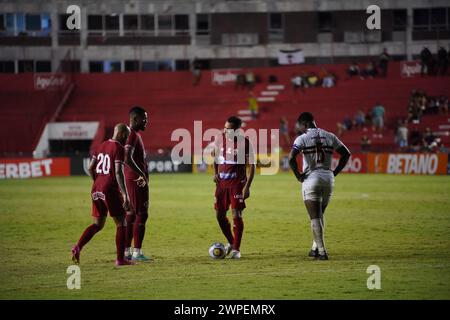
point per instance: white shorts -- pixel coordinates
(318, 186)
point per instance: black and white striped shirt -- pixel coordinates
(317, 146)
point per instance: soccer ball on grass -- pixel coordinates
(217, 250)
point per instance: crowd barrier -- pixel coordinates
(387, 163)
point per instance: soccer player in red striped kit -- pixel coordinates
(136, 179)
(108, 192)
(232, 153)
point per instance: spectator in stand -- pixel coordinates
(378, 120)
(304, 77)
(370, 70)
(443, 104)
(440, 147)
(353, 70)
(442, 62)
(250, 79)
(432, 106)
(345, 125)
(415, 140)
(368, 119)
(365, 143)
(428, 139)
(240, 81)
(284, 130)
(328, 80)
(402, 136)
(348, 123)
(297, 82)
(312, 80)
(359, 119)
(383, 62)
(426, 59)
(253, 105)
(422, 102)
(196, 73)
(413, 112)
(417, 105)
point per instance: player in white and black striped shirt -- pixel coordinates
(317, 178)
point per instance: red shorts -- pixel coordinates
(226, 196)
(138, 197)
(110, 202)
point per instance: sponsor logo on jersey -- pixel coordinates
(98, 195)
(227, 176)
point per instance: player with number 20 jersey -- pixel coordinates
(108, 193)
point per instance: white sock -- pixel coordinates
(136, 252)
(128, 251)
(317, 230)
(314, 246)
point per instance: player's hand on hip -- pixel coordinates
(141, 182)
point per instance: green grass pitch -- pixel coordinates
(400, 223)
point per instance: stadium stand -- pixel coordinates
(173, 103)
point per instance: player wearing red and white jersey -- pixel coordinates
(108, 193)
(233, 153)
(136, 179)
(317, 178)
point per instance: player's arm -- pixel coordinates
(120, 178)
(344, 157)
(216, 165)
(129, 161)
(293, 164)
(251, 173)
(91, 167)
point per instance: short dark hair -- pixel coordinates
(305, 117)
(235, 121)
(136, 110)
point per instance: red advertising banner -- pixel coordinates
(34, 168)
(356, 164)
(407, 163)
(221, 77)
(49, 81)
(409, 69)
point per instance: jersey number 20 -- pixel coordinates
(104, 164)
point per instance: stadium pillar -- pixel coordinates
(408, 39)
(192, 33)
(54, 35)
(121, 25)
(83, 39)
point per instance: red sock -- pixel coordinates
(88, 234)
(238, 229)
(139, 230)
(226, 229)
(120, 242)
(129, 229)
